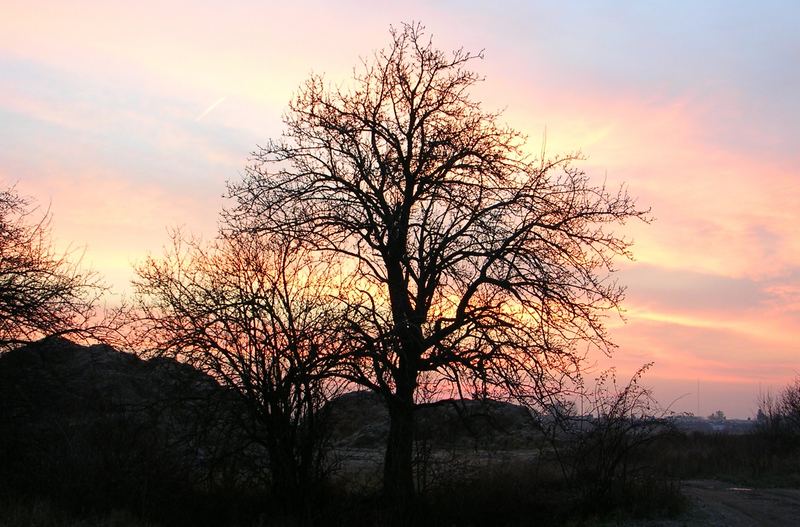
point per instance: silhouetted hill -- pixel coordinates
(360, 420)
(92, 426)
(55, 376)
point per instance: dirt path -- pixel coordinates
(717, 503)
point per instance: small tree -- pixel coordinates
(780, 413)
(472, 265)
(42, 292)
(717, 417)
(790, 405)
(252, 312)
(619, 422)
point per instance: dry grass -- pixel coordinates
(40, 512)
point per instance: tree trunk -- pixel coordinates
(284, 475)
(398, 479)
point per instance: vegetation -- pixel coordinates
(473, 267)
(252, 312)
(779, 415)
(165, 446)
(396, 238)
(42, 292)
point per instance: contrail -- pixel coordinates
(208, 110)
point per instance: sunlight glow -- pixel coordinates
(99, 115)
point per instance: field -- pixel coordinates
(162, 448)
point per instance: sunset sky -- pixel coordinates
(128, 118)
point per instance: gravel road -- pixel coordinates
(719, 504)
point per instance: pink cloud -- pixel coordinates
(716, 297)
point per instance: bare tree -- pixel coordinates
(618, 422)
(780, 413)
(253, 312)
(790, 405)
(42, 292)
(472, 264)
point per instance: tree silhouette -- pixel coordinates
(471, 264)
(780, 413)
(42, 292)
(251, 311)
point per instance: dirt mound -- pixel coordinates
(360, 420)
(92, 424)
(56, 376)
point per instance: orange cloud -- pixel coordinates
(117, 176)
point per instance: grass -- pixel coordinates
(757, 459)
(41, 512)
(536, 492)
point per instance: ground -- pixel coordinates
(719, 504)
